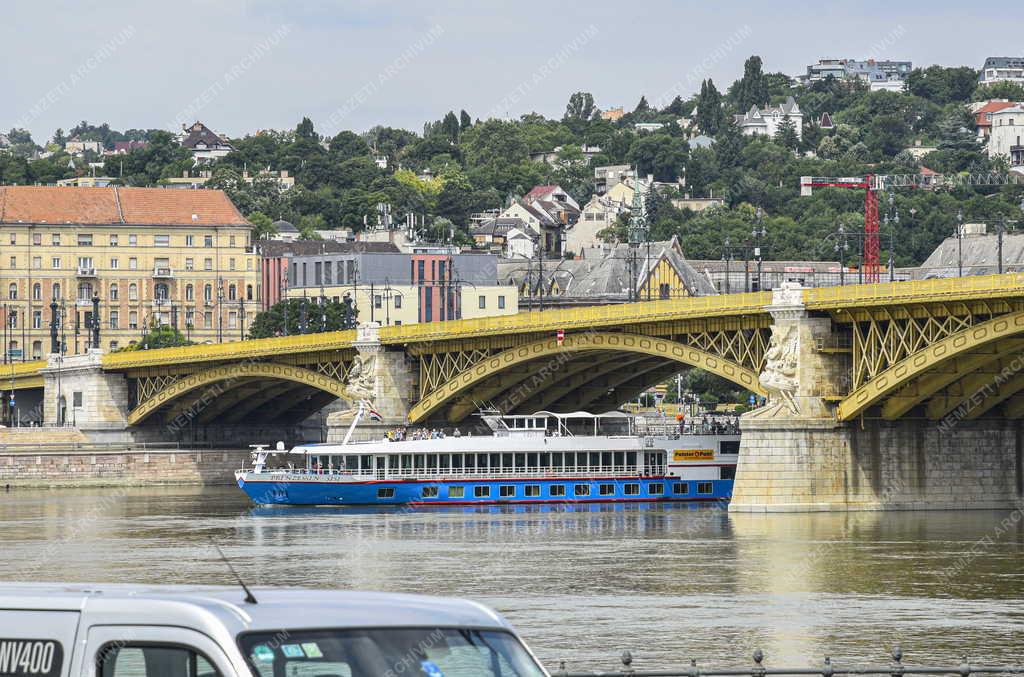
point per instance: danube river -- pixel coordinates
(581, 584)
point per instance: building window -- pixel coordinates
(37, 292)
(398, 301)
(456, 492)
(483, 302)
(113, 239)
(14, 262)
(76, 399)
(37, 319)
(37, 239)
(162, 240)
(12, 291)
(133, 240)
(207, 264)
(208, 240)
(114, 264)
(37, 350)
(231, 264)
(378, 302)
(231, 241)
(190, 240)
(232, 292)
(507, 490)
(232, 320)
(133, 320)
(37, 262)
(501, 303)
(161, 291)
(557, 490)
(190, 293)
(581, 490)
(133, 292)
(14, 238)
(55, 239)
(113, 319)
(248, 292)
(113, 291)
(190, 263)
(56, 290)
(208, 320)
(133, 263)
(481, 491)
(84, 240)
(55, 262)
(208, 293)
(85, 291)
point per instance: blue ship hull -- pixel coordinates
(484, 491)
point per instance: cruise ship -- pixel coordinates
(544, 457)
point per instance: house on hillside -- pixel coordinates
(205, 144)
(1005, 139)
(766, 121)
(1002, 69)
(983, 115)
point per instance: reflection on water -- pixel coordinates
(582, 582)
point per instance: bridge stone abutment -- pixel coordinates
(795, 455)
(76, 391)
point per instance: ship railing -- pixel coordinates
(896, 668)
(462, 473)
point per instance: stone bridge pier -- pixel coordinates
(796, 455)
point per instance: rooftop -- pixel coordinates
(114, 205)
(273, 248)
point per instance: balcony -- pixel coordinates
(86, 271)
(163, 272)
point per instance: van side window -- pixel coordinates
(135, 660)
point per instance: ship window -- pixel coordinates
(655, 488)
(728, 472)
(557, 490)
(429, 492)
(495, 460)
(631, 458)
(680, 487)
(445, 461)
(386, 492)
(532, 490)
(606, 489)
(470, 461)
(457, 461)
(606, 459)
(507, 490)
(406, 461)
(506, 461)
(704, 487)
(729, 447)
(632, 489)
(456, 492)
(620, 458)
(581, 490)
(482, 492)
(595, 458)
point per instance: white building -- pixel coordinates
(205, 144)
(1002, 69)
(758, 122)
(1005, 139)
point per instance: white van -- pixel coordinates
(53, 630)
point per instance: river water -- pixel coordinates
(668, 582)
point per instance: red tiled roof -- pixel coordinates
(991, 107)
(116, 205)
(540, 191)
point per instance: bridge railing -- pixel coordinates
(896, 668)
(986, 286)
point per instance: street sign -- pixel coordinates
(14, 353)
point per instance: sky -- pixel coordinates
(245, 65)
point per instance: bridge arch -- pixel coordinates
(919, 364)
(547, 348)
(229, 373)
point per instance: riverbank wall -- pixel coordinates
(94, 465)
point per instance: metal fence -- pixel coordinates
(895, 668)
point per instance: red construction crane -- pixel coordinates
(871, 184)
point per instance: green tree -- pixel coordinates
(346, 145)
(786, 135)
(580, 108)
(450, 127)
(710, 115)
(751, 89)
(464, 121)
(263, 226)
(304, 316)
(163, 336)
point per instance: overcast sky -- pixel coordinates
(244, 65)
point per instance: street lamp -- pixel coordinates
(220, 310)
(841, 246)
(727, 257)
(960, 242)
(759, 233)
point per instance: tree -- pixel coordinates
(677, 107)
(163, 336)
(464, 121)
(709, 108)
(642, 106)
(263, 226)
(309, 224)
(751, 89)
(659, 154)
(304, 316)
(786, 134)
(347, 145)
(580, 107)
(450, 127)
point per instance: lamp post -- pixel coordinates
(841, 246)
(960, 242)
(726, 257)
(220, 310)
(759, 233)
(892, 219)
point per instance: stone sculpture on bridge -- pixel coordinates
(779, 377)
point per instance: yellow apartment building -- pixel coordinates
(149, 256)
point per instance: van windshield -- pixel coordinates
(388, 652)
